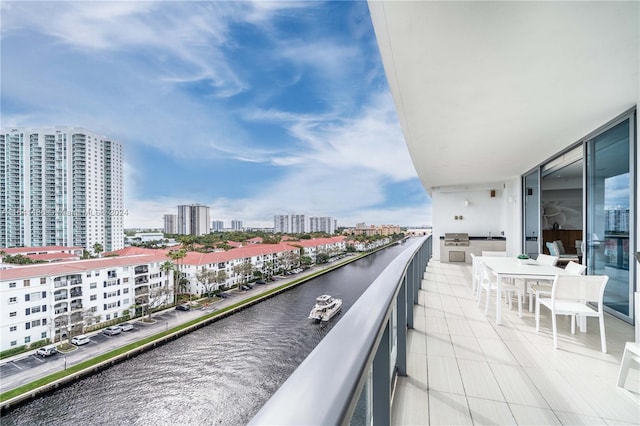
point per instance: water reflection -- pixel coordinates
(219, 374)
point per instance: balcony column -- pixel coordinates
(381, 386)
(401, 344)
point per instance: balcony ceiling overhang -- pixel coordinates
(485, 91)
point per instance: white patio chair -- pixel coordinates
(489, 283)
(476, 273)
(540, 286)
(569, 296)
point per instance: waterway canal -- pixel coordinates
(219, 374)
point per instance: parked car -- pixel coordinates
(184, 307)
(244, 288)
(47, 351)
(80, 340)
(261, 282)
(222, 295)
(126, 326)
(112, 330)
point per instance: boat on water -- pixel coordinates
(326, 307)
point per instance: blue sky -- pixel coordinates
(252, 108)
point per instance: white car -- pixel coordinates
(126, 326)
(114, 329)
(47, 350)
(80, 340)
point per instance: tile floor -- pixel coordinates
(463, 369)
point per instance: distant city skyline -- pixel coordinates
(249, 108)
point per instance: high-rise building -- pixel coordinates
(617, 220)
(193, 219)
(236, 225)
(170, 223)
(217, 226)
(281, 223)
(298, 224)
(322, 224)
(60, 186)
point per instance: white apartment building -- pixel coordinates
(236, 225)
(61, 299)
(265, 258)
(329, 246)
(60, 186)
(322, 224)
(291, 224)
(281, 223)
(217, 226)
(170, 223)
(298, 224)
(193, 219)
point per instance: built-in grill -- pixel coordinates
(456, 240)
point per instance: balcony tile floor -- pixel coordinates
(463, 369)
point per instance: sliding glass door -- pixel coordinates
(609, 193)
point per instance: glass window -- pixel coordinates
(609, 191)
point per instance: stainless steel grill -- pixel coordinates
(456, 240)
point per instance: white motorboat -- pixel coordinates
(326, 307)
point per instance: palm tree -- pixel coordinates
(97, 249)
(167, 267)
(176, 256)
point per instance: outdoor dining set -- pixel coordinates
(563, 291)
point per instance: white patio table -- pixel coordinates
(511, 267)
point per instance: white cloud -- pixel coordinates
(125, 69)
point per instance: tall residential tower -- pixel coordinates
(193, 219)
(60, 186)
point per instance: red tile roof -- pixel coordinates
(50, 257)
(76, 267)
(195, 258)
(315, 242)
(43, 249)
(133, 250)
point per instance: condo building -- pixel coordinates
(322, 224)
(170, 223)
(267, 259)
(236, 225)
(193, 219)
(60, 186)
(281, 224)
(217, 226)
(301, 223)
(62, 299)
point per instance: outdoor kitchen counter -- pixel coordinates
(481, 238)
(477, 244)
